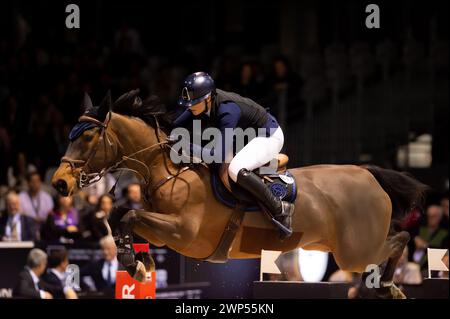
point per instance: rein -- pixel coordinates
(86, 179)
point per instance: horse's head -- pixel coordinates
(90, 151)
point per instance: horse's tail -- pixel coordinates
(405, 192)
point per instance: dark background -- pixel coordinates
(361, 93)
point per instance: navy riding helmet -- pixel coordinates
(197, 87)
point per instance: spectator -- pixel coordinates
(285, 86)
(283, 77)
(14, 226)
(101, 187)
(29, 285)
(55, 276)
(407, 272)
(248, 85)
(133, 196)
(5, 150)
(17, 173)
(97, 223)
(430, 236)
(444, 222)
(444, 205)
(62, 223)
(87, 206)
(103, 272)
(36, 202)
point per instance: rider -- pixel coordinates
(230, 110)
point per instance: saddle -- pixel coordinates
(279, 180)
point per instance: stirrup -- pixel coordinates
(284, 231)
(286, 213)
(287, 209)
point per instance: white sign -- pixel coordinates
(268, 263)
(435, 262)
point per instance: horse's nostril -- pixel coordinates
(61, 186)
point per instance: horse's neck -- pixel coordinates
(134, 135)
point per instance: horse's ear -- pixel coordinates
(87, 102)
(104, 107)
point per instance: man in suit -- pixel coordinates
(55, 276)
(103, 272)
(29, 284)
(131, 197)
(15, 226)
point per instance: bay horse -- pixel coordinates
(348, 210)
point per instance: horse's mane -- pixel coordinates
(149, 110)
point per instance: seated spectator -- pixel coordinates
(444, 205)
(101, 187)
(133, 196)
(100, 275)
(96, 224)
(14, 226)
(407, 272)
(430, 236)
(133, 200)
(36, 202)
(19, 170)
(284, 81)
(248, 85)
(55, 276)
(62, 223)
(29, 285)
(87, 206)
(444, 222)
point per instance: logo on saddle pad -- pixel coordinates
(278, 190)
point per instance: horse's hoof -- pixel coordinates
(141, 273)
(397, 293)
(147, 260)
(353, 293)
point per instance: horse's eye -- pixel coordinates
(88, 138)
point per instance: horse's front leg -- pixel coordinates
(122, 222)
(161, 227)
(166, 228)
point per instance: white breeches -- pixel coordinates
(258, 152)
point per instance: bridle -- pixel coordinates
(86, 178)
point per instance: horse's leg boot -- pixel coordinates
(281, 212)
(123, 238)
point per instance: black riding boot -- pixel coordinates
(280, 211)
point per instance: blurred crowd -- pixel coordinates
(33, 213)
(41, 87)
(46, 275)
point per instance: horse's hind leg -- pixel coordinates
(393, 249)
(396, 244)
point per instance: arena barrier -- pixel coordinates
(129, 288)
(299, 290)
(429, 289)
